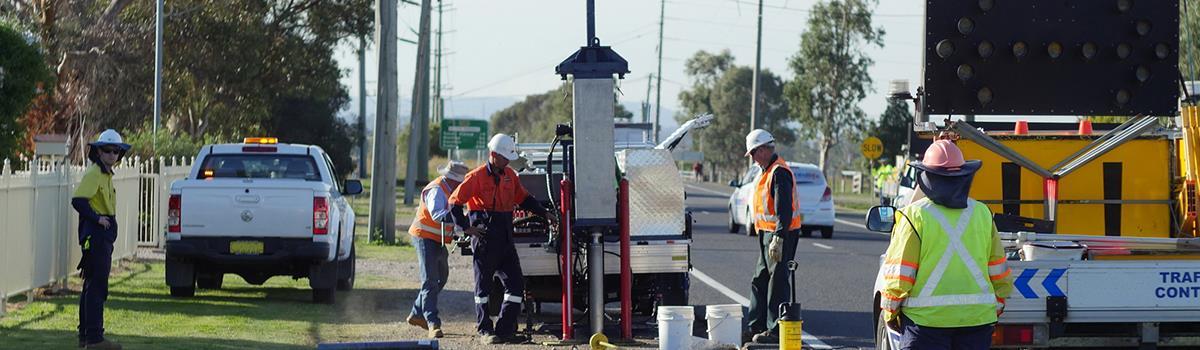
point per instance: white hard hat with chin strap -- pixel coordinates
(757, 138)
(503, 145)
(110, 137)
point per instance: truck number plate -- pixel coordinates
(246, 247)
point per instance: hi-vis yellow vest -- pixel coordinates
(424, 225)
(764, 200)
(952, 287)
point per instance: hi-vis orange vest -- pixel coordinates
(764, 200)
(424, 225)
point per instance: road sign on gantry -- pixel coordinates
(1057, 57)
(464, 134)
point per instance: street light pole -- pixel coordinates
(158, 43)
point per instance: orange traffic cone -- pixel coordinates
(1085, 127)
(1022, 128)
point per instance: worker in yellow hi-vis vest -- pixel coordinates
(96, 201)
(945, 276)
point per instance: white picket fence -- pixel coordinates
(39, 229)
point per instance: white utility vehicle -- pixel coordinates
(261, 209)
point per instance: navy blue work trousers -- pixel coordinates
(96, 265)
(496, 257)
(918, 337)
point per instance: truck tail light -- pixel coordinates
(320, 216)
(1020, 334)
(174, 215)
(828, 196)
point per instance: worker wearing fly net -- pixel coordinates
(944, 275)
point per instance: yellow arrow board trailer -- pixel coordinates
(1125, 192)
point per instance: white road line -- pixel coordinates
(819, 245)
(702, 189)
(808, 339)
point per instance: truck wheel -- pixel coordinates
(750, 225)
(346, 270)
(323, 295)
(733, 226)
(881, 335)
(209, 280)
(826, 232)
(183, 292)
(677, 293)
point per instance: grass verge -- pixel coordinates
(277, 315)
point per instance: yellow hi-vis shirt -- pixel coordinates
(951, 272)
(98, 188)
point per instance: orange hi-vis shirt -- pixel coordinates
(483, 190)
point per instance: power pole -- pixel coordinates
(158, 43)
(662, 10)
(438, 112)
(757, 68)
(418, 137)
(362, 107)
(383, 176)
(646, 105)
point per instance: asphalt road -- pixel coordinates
(833, 283)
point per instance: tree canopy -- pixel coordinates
(831, 76)
(534, 118)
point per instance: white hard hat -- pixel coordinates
(504, 145)
(756, 138)
(110, 137)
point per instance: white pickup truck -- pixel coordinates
(261, 209)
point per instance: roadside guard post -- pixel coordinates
(591, 70)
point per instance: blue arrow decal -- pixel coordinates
(1051, 283)
(1022, 284)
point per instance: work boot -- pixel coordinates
(516, 339)
(487, 339)
(766, 338)
(417, 321)
(435, 331)
(104, 345)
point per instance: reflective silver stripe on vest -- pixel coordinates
(953, 299)
(795, 200)
(957, 248)
(899, 270)
(512, 298)
(998, 269)
(433, 230)
(481, 300)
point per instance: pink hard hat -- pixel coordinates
(944, 158)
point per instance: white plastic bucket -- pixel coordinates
(724, 323)
(1052, 251)
(675, 327)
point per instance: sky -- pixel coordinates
(497, 52)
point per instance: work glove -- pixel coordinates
(775, 249)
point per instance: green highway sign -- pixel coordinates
(464, 134)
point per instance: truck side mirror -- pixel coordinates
(352, 187)
(734, 183)
(881, 218)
